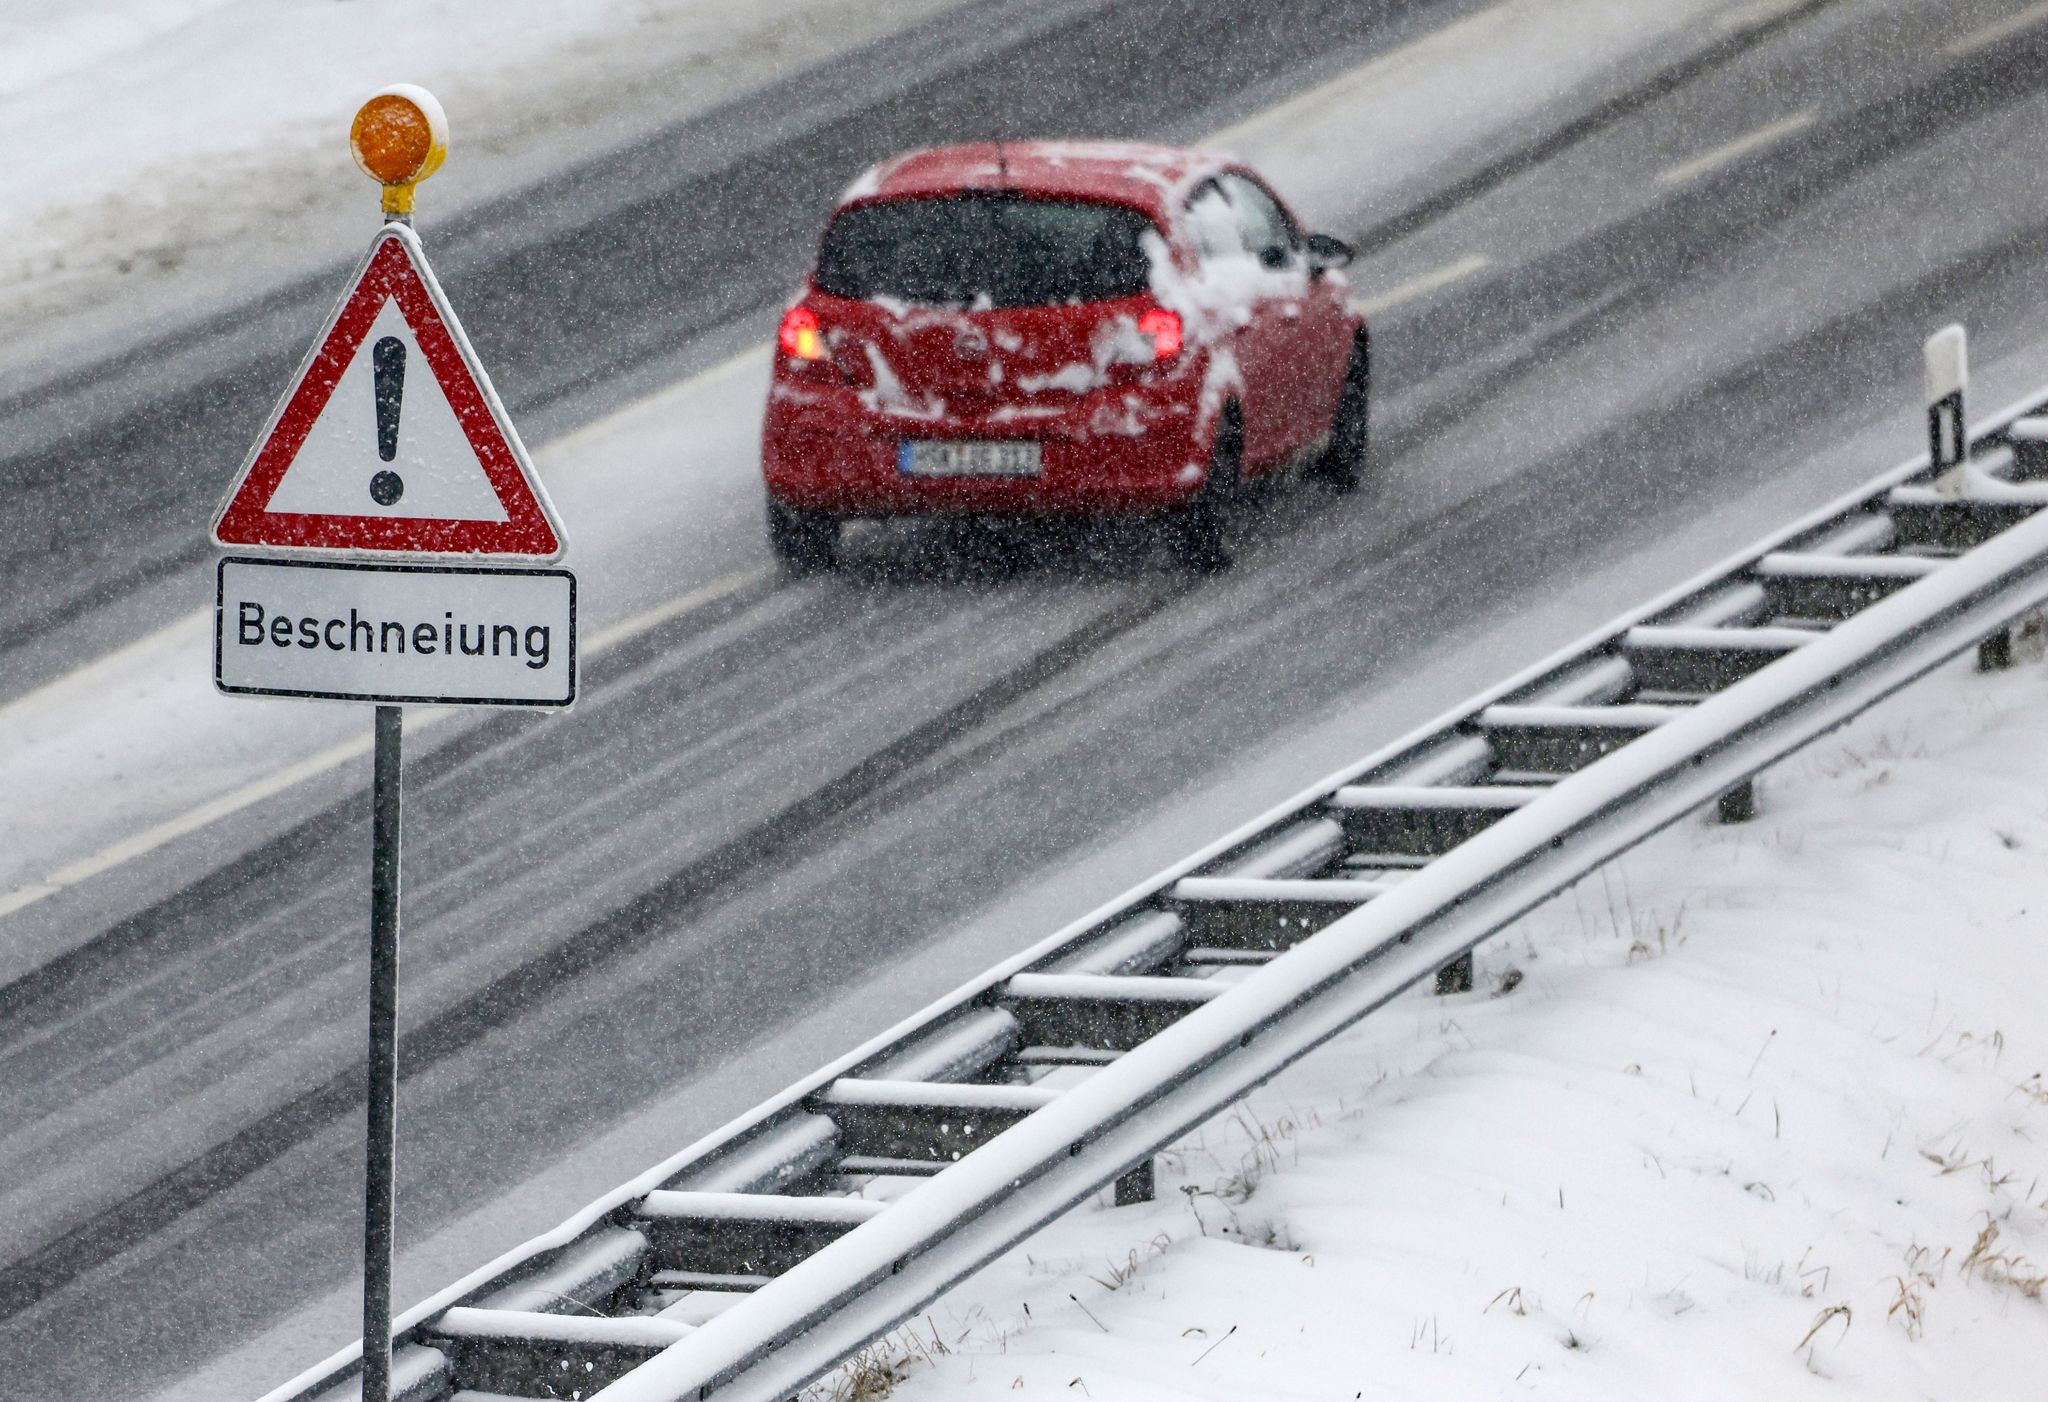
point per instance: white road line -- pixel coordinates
(1424, 284)
(597, 427)
(280, 780)
(25, 896)
(661, 613)
(1734, 150)
(1753, 16)
(153, 838)
(104, 665)
(1966, 44)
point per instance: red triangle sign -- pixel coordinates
(391, 441)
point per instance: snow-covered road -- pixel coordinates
(1746, 318)
(661, 500)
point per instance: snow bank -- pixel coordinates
(1761, 1111)
(202, 144)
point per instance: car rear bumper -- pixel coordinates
(1111, 452)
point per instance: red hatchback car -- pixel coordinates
(1059, 328)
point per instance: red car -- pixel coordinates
(1059, 328)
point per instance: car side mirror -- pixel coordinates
(1326, 251)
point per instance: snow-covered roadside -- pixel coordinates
(169, 152)
(1760, 1111)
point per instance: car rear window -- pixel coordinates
(1011, 250)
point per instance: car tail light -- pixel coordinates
(1163, 327)
(800, 336)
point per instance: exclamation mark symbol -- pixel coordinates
(387, 367)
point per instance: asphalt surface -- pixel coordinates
(578, 291)
(762, 801)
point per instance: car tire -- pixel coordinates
(803, 542)
(1342, 464)
(1197, 529)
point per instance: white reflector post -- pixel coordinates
(1948, 375)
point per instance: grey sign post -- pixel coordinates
(380, 1136)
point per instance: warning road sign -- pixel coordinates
(391, 441)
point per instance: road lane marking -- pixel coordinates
(277, 781)
(152, 838)
(1964, 45)
(675, 608)
(106, 665)
(1755, 16)
(1424, 284)
(1708, 161)
(25, 896)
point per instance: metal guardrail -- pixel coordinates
(1386, 873)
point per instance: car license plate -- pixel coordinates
(923, 457)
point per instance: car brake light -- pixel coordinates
(801, 338)
(1163, 327)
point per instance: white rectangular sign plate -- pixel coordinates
(438, 634)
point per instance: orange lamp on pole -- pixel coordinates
(399, 137)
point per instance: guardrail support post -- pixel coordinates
(1136, 1186)
(1948, 378)
(1456, 976)
(1738, 805)
(2024, 639)
(1948, 433)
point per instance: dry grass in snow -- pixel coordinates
(1758, 1112)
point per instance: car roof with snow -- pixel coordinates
(1142, 176)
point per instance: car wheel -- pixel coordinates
(1197, 528)
(1343, 462)
(804, 542)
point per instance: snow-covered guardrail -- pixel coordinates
(1377, 879)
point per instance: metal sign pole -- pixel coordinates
(382, 1138)
(399, 138)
